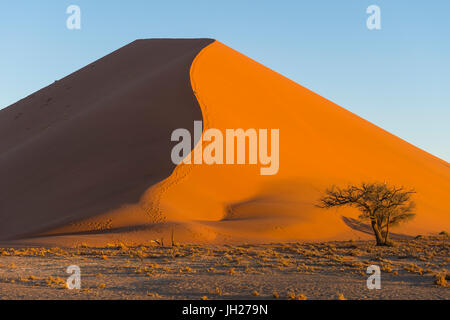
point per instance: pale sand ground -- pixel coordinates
(316, 270)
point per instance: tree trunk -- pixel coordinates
(386, 238)
(387, 241)
(377, 233)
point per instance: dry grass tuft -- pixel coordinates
(153, 294)
(55, 282)
(341, 297)
(301, 297)
(387, 268)
(440, 280)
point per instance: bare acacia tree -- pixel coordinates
(384, 206)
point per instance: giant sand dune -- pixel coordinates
(88, 158)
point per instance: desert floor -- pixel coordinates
(280, 270)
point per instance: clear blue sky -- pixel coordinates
(397, 77)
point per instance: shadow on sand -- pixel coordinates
(365, 228)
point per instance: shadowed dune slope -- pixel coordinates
(97, 139)
(89, 156)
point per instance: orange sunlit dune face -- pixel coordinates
(321, 144)
(123, 184)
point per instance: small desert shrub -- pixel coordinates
(301, 297)
(291, 295)
(387, 268)
(151, 294)
(440, 280)
(341, 297)
(413, 268)
(57, 281)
